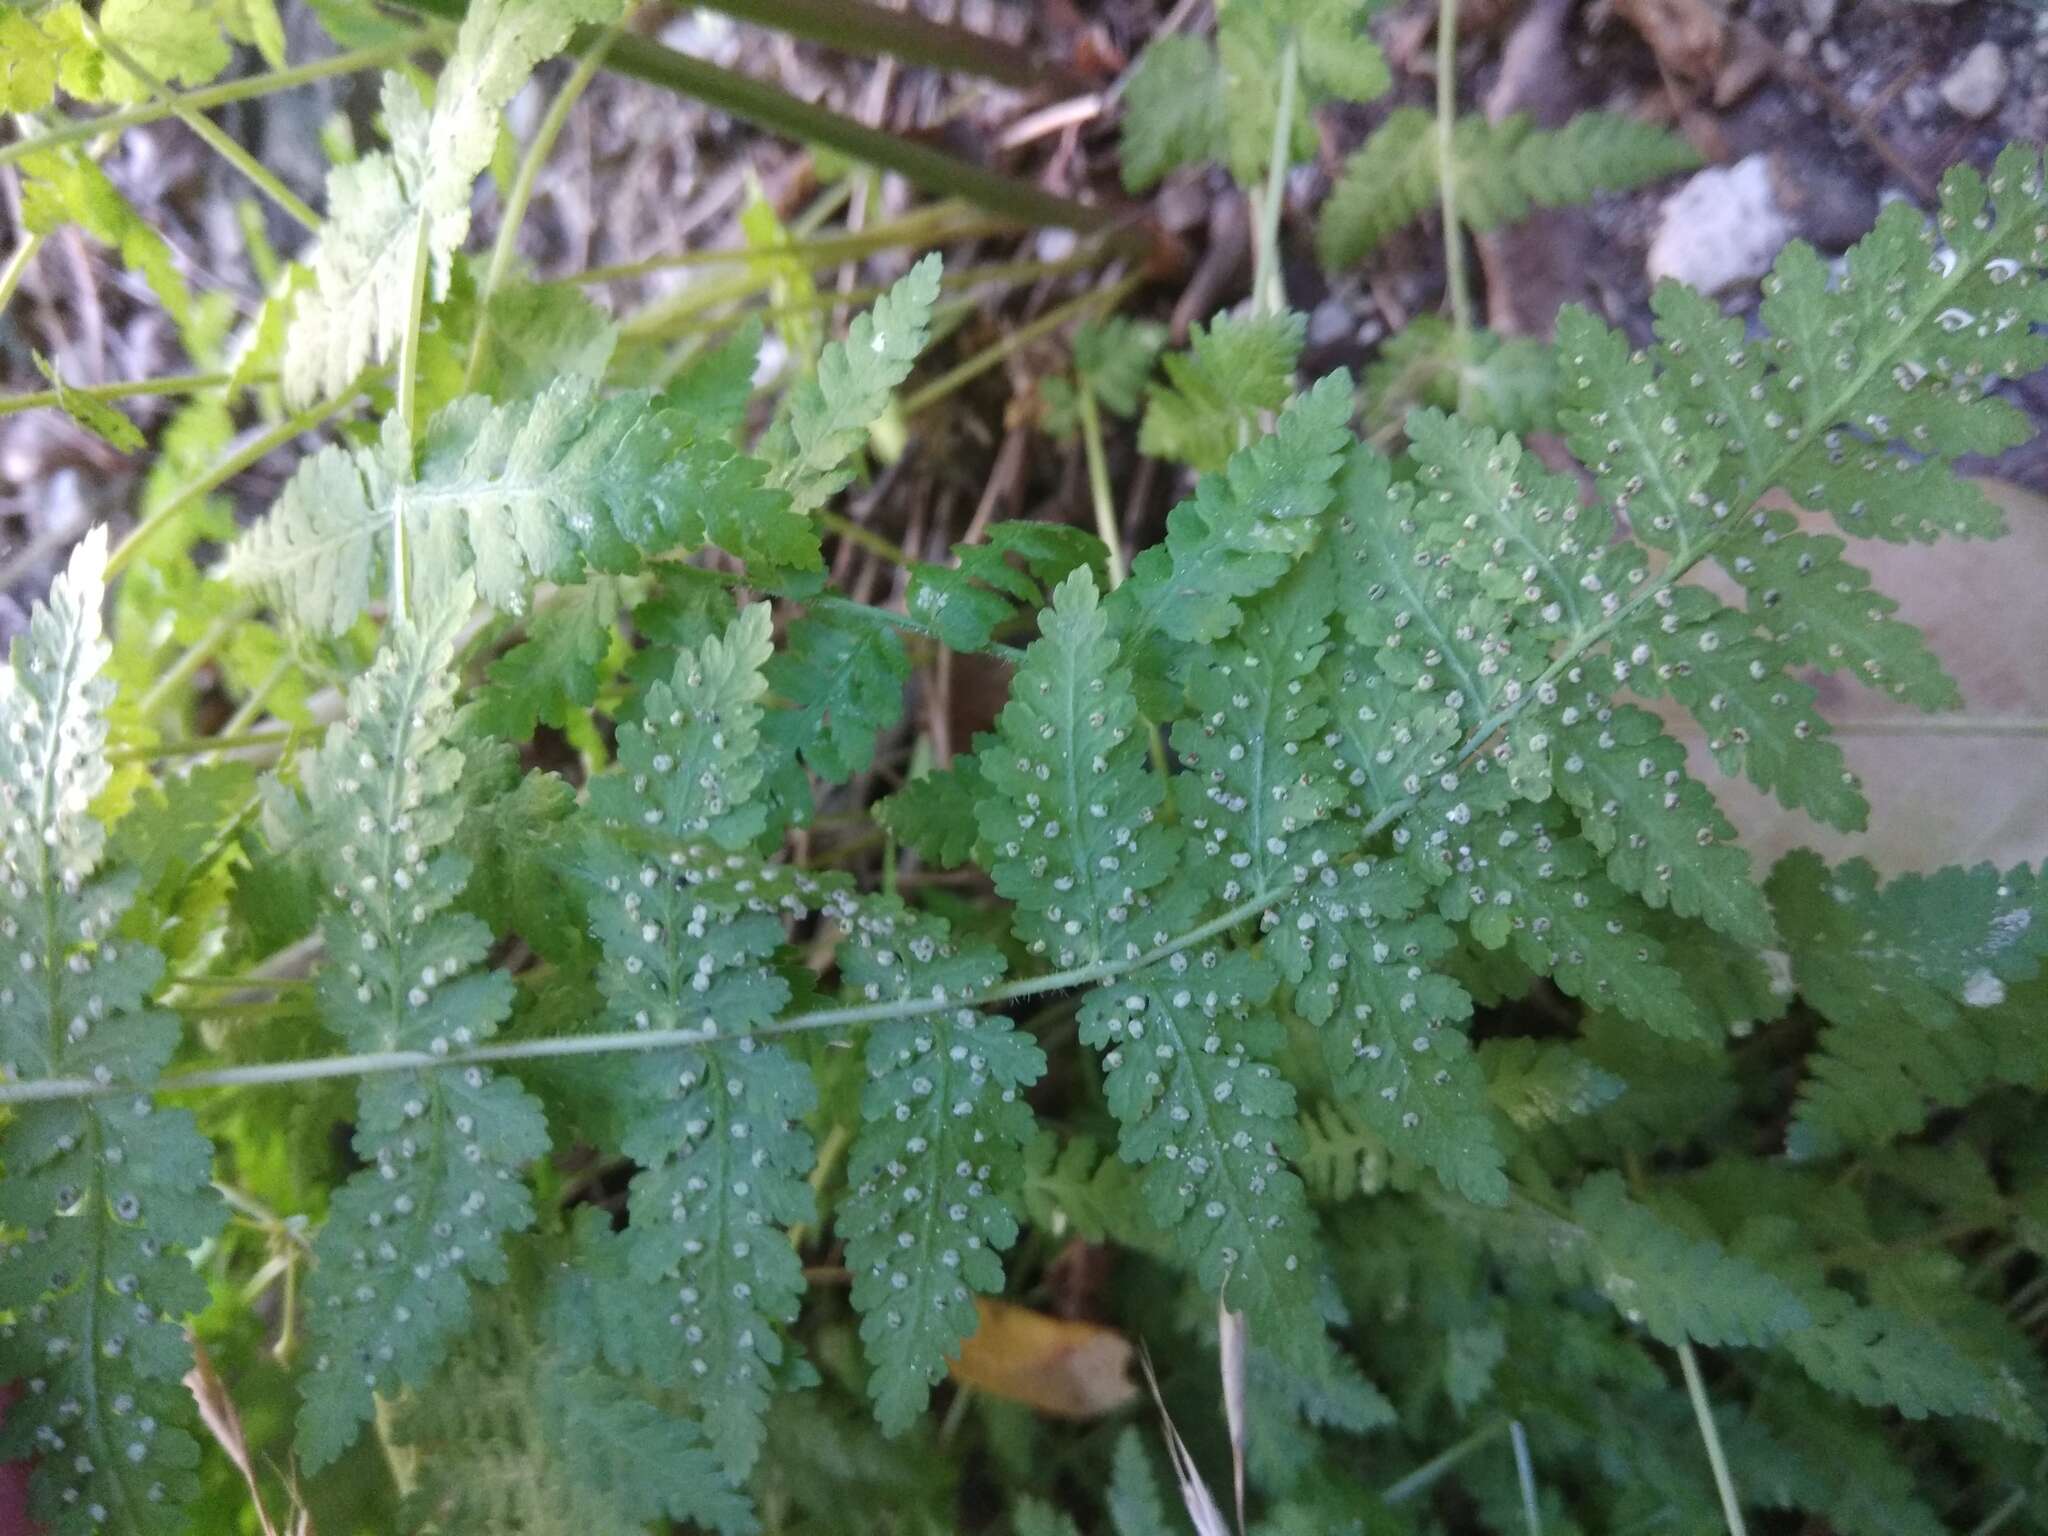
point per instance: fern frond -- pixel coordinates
(825, 418)
(1246, 526)
(519, 1434)
(1676, 1285)
(688, 935)
(935, 815)
(1913, 978)
(1504, 169)
(545, 489)
(396, 208)
(1363, 962)
(935, 1171)
(1537, 1083)
(1208, 405)
(406, 1237)
(1185, 1043)
(1069, 821)
(843, 679)
(102, 1198)
(1070, 811)
(1188, 103)
(966, 603)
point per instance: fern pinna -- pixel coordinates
(669, 1142)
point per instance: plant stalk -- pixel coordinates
(1269, 286)
(1724, 1481)
(1098, 482)
(1455, 282)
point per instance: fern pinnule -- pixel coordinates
(397, 217)
(936, 1168)
(102, 1197)
(1503, 169)
(406, 1237)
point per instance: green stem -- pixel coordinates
(220, 143)
(1023, 336)
(521, 194)
(767, 107)
(120, 389)
(1525, 1474)
(195, 656)
(432, 35)
(194, 746)
(2011, 1505)
(1447, 188)
(1269, 287)
(407, 406)
(1098, 482)
(17, 266)
(865, 537)
(258, 448)
(1432, 1471)
(558, 1047)
(857, 26)
(934, 225)
(1724, 1481)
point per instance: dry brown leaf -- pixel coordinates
(1071, 1370)
(218, 1413)
(1943, 789)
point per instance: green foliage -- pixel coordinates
(545, 489)
(406, 1237)
(825, 418)
(101, 1196)
(397, 217)
(1190, 102)
(1329, 935)
(1503, 170)
(931, 1191)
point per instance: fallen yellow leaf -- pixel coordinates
(1067, 1369)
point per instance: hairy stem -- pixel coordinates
(556, 1047)
(1432, 1471)
(11, 275)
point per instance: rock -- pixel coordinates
(1820, 15)
(1834, 58)
(1724, 226)
(1975, 87)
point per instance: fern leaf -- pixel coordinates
(1135, 1505)
(688, 937)
(1208, 405)
(1173, 110)
(967, 603)
(410, 204)
(1503, 169)
(536, 333)
(546, 489)
(1912, 977)
(520, 1434)
(1663, 836)
(406, 1237)
(843, 678)
(1517, 880)
(554, 670)
(1246, 526)
(1675, 1285)
(1069, 816)
(1212, 1124)
(102, 1198)
(935, 1170)
(1259, 774)
(1362, 961)
(826, 417)
(934, 816)
(1538, 1083)
(1759, 722)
